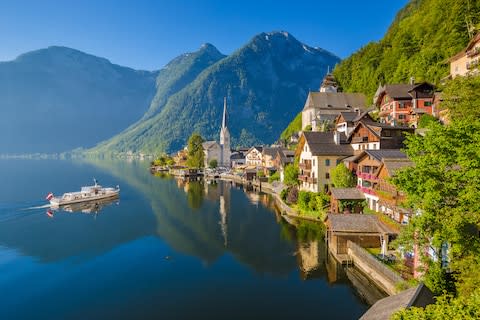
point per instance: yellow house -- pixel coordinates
(467, 61)
(319, 152)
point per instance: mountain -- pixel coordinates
(424, 34)
(266, 82)
(180, 72)
(58, 99)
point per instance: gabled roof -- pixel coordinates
(209, 144)
(383, 154)
(270, 151)
(347, 194)
(322, 143)
(348, 116)
(393, 165)
(356, 223)
(376, 128)
(469, 46)
(258, 148)
(339, 101)
(399, 91)
(419, 296)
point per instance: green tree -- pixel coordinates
(195, 151)
(274, 177)
(444, 184)
(213, 163)
(342, 177)
(291, 174)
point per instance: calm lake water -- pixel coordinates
(166, 250)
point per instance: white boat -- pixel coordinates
(88, 193)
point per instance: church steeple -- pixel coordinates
(224, 120)
(225, 138)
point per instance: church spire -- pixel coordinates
(224, 119)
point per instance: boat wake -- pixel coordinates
(38, 207)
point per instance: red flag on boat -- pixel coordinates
(49, 196)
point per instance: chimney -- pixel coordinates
(412, 80)
(336, 137)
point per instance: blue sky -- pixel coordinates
(147, 34)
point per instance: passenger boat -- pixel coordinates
(88, 193)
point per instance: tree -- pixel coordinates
(461, 97)
(444, 185)
(291, 174)
(213, 163)
(195, 151)
(342, 177)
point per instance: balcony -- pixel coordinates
(367, 190)
(473, 52)
(305, 166)
(308, 179)
(367, 176)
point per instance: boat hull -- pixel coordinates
(58, 202)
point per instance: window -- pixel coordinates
(387, 133)
(327, 175)
(401, 105)
(338, 162)
(427, 103)
(327, 162)
(402, 117)
(313, 162)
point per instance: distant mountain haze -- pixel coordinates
(58, 99)
(266, 83)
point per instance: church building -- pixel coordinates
(220, 152)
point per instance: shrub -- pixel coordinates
(283, 194)
(303, 199)
(274, 177)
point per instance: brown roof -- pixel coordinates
(393, 165)
(419, 296)
(347, 194)
(322, 143)
(338, 101)
(349, 116)
(357, 223)
(468, 47)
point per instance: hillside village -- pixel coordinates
(340, 168)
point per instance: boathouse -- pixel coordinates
(364, 230)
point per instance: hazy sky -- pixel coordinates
(147, 34)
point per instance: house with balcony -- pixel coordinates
(254, 156)
(390, 199)
(369, 163)
(283, 158)
(318, 153)
(403, 104)
(467, 61)
(346, 121)
(369, 135)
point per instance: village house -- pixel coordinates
(346, 121)
(466, 62)
(237, 159)
(283, 157)
(254, 156)
(346, 200)
(322, 107)
(369, 163)
(390, 198)
(375, 136)
(403, 104)
(319, 152)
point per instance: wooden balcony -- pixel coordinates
(308, 179)
(305, 166)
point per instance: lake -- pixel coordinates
(166, 249)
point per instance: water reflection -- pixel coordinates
(88, 207)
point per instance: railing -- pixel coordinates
(369, 176)
(367, 190)
(473, 52)
(373, 262)
(302, 178)
(305, 166)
